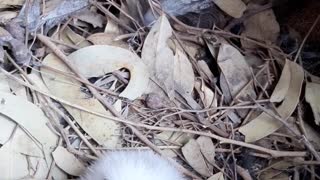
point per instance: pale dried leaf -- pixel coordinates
(183, 74)
(206, 94)
(191, 151)
(6, 16)
(13, 165)
(312, 95)
(158, 56)
(107, 39)
(100, 129)
(217, 176)
(235, 76)
(280, 91)
(234, 8)
(7, 128)
(206, 70)
(112, 28)
(95, 19)
(96, 61)
(262, 26)
(67, 161)
(207, 148)
(264, 124)
(75, 38)
(8, 3)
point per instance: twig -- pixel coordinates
(306, 37)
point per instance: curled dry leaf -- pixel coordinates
(262, 26)
(234, 8)
(264, 124)
(312, 95)
(191, 151)
(67, 161)
(158, 56)
(8, 3)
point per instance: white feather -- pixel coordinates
(132, 165)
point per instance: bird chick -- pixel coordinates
(133, 165)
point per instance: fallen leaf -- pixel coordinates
(108, 59)
(207, 148)
(217, 176)
(183, 74)
(13, 165)
(95, 19)
(107, 39)
(8, 3)
(206, 95)
(191, 151)
(235, 76)
(112, 28)
(234, 8)
(312, 95)
(262, 26)
(67, 161)
(206, 70)
(158, 56)
(267, 124)
(43, 139)
(75, 38)
(100, 129)
(6, 16)
(280, 91)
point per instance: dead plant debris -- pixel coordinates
(224, 88)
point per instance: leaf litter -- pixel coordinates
(79, 78)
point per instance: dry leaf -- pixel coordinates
(280, 91)
(43, 139)
(207, 148)
(6, 16)
(206, 95)
(206, 70)
(67, 161)
(262, 26)
(158, 56)
(96, 61)
(100, 129)
(183, 74)
(217, 176)
(112, 28)
(235, 76)
(264, 124)
(192, 153)
(234, 8)
(312, 95)
(8, 3)
(95, 19)
(107, 39)
(75, 38)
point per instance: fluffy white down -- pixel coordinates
(132, 165)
